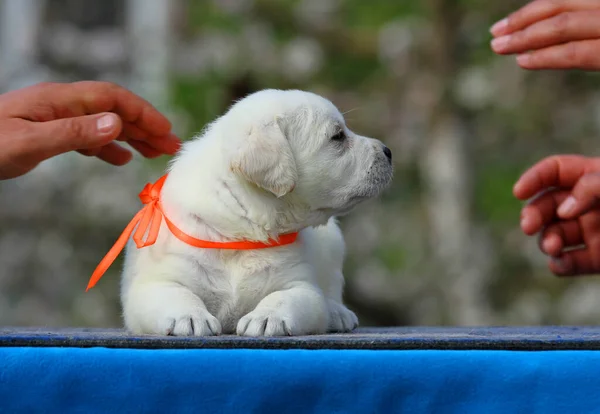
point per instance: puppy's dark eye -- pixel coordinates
(340, 136)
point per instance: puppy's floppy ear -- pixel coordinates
(266, 159)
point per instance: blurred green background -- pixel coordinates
(441, 247)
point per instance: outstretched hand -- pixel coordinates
(564, 211)
(45, 120)
(552, 34)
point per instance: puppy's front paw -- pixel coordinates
(265, 322)
(341, 319)
(198, 322)
(165, 309)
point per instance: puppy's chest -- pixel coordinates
(233, 284)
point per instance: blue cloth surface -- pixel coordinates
(100, 380)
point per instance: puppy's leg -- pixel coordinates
(341, 319)
(167, 308)
(327, 249)
(155, 296)
(300, 309)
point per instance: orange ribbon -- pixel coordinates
(150, 218)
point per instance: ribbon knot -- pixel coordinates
(148, 221)
(150, 217)
(150, 193)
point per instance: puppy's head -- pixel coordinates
(297, 146)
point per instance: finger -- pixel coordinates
(541, 211)
(114, 154)
(565, 27)
(539, 10)
(578, 262)
(45, 102)
(584, 260)
(581, 54)
(584, 195)
(558, 236)
(47, 139)
(144, 149)
(92, 152)
(590, 225)
(556, 171)
(166, 144)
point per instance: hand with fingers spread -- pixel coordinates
(552, 34)
(564, 210)
(45, 120)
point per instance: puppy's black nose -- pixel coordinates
(388, 153)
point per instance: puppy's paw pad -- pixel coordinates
(199, 323)
(341, 319)
(265, 323)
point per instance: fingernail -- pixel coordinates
(499, 27)
(517, 188)
(567, 206)
(106, 123)
(524, 59)
(499, 44)
(547, 245)
(525, 222)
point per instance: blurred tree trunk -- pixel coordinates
(19, 23)
(150, 34)
(447, 174)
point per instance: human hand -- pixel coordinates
(563, 210)
(552, 34)
(45, 120)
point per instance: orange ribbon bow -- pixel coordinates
(150, 218)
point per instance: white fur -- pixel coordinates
(266, 167)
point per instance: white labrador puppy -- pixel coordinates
(276, 162)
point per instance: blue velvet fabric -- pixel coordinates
(100, 380)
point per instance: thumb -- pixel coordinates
(83, 132)
(584, 195)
